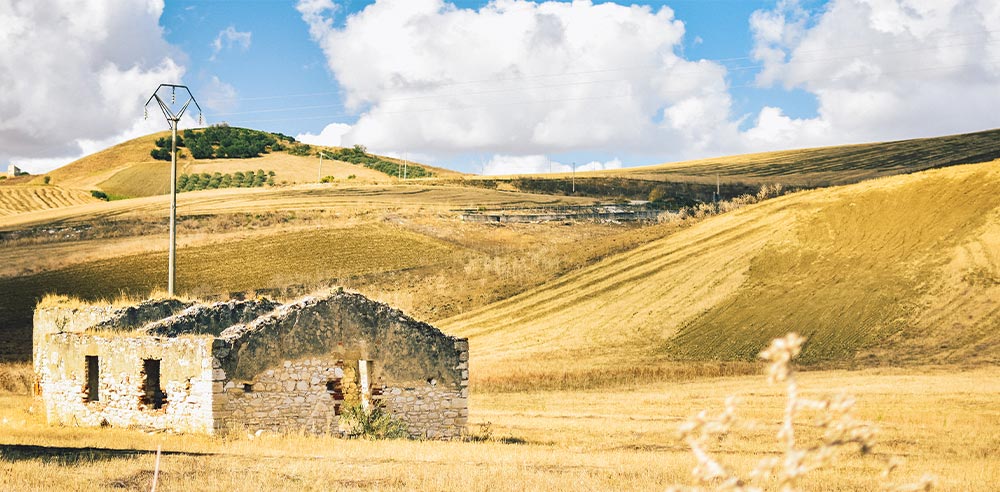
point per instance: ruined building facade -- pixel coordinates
(248, 365)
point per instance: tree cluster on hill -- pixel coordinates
(223, 142)
(205, 181)
(359, 155)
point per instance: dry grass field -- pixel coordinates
(939, 420)
(872, 270)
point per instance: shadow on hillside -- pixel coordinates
(70, 456)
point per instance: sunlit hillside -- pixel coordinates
(688, 183)
(906, 268)
(828, 166)
(127, 169)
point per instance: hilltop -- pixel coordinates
(128, 170)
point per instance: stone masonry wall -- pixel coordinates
(185, 379)
(288, 398)
(422, 372)
(295, 396)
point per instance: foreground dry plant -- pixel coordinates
(833, 419)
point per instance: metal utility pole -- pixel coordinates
(574, 178)
(173, 119)
(319, 172)
(715, 198)
(405, 162)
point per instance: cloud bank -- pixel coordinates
(74, 75)
(880, 69)
(520, 77)
(524, 79)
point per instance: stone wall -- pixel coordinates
(422, 373)
(288, 398)
(309, 395)
(430, 409)
(185, 380)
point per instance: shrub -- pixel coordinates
(300, 150)
(374, 423)
(239, 179)
(47, 180)
(100, 195)
(327, 179)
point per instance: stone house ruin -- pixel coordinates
(248, 365)
(13, 171)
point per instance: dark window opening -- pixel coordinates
(153, 395)
(247, 388)
(93, 379)
(335, 389)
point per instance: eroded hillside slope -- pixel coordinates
(900, 269)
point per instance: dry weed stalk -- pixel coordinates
(833, 417)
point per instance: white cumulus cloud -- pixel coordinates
(330, 136)
(75, 73)
(539, 164)
(218, 95)
(519, 77)
(879, 69)
(228, 38)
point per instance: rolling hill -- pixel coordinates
(899, 268)
(687, 183)
(127, 170)
(892, 270)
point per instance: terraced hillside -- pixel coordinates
(900, 269)
(28, 198)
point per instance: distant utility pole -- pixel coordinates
(173, 119)
(715, 198)
(404, 167)
(574, 177)
(319, 173)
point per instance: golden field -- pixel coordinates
(25, 198)
(944, 421)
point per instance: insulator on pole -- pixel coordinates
(199, 120)
(173, 95)
(145, 113)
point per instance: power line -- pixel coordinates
(600, 97)
(720, 61)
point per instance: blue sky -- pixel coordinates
(510, 85)
(292, 72)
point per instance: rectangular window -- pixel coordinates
(153, 394)
(93, 378)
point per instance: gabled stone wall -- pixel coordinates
(421, 373)
(250, 365)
